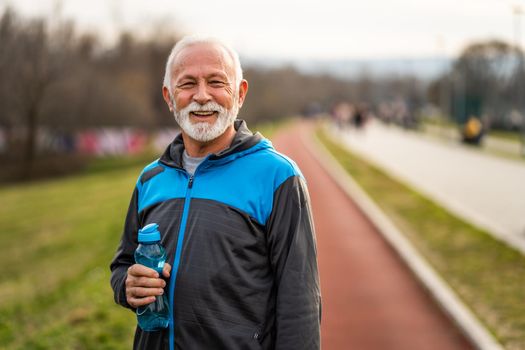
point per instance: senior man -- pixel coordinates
(235, 220)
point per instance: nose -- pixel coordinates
(202, 95)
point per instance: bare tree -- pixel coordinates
(31, 60)
(487, 79)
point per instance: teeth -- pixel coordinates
(203, 113)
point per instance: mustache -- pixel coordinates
(209, 106)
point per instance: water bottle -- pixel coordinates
(150, 253)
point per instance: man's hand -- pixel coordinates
(144, 284)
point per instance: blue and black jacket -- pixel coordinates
(240, 238)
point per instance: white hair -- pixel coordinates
(198, 39)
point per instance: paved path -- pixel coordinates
(370, 299)
(482, 189)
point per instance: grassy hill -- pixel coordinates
(57, 240)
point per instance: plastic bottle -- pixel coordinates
(150, 253)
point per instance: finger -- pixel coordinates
(136, 302)
(166, 271)
(139, 270)
(138, 296)
(145, 282)
(148, 282)
(142, 292)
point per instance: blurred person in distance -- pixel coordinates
(235, 220)
(472, 131)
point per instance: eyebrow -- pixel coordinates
(209, 76)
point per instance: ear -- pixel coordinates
(243, 90)
(166, 95)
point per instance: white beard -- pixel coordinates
(203, 131)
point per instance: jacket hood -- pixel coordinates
(243, 143)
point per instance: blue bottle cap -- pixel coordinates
(149, 233)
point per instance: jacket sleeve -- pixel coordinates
(293, 255)
(124, 257)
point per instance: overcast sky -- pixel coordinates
(292, 29)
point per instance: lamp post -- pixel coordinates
(443, 90)
(518, 11)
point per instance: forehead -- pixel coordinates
(202, 59)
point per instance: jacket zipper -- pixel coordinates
(176, 260)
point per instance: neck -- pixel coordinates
(199, 149)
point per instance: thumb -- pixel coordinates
(166, 270)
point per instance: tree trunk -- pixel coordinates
(29, 154)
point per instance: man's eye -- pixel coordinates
(216, 83)
(186, 85)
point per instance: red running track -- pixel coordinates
(371, 301)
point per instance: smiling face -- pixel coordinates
(203, 97)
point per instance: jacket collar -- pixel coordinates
(242, 141)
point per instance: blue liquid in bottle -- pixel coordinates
(150, 253)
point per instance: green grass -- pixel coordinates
(506, 135)
(445, 130)
(440, 121)
(514, 136)
(268, 129)
(485, 273)
(58, 238)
